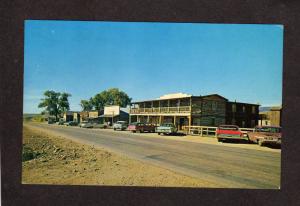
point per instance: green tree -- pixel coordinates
(111, 96)
(55, 103)
(86, 104)
(63, 102)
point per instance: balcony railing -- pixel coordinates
(182, 109)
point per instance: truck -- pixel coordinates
(166, 128)
(141, 127)
(232, 132)
(263, 135)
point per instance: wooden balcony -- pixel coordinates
(159, 110)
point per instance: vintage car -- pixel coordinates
(71, 123)
(166, 128)
(120, 125)
(232, 132)
(263, 135)
(86, 124)
(141, 127)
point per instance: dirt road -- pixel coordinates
(229, 166)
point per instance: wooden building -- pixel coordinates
(271, 117)
(183, 110)
(68, 116)
(113, 114)
(242, 114)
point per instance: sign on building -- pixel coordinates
(112, 110)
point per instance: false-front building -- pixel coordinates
(187, 110)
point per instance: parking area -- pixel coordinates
(181, 136)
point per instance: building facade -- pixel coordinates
(183, 110)
(272, 117)
(242, 114)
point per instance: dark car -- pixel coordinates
(141, 127)
(71, 123)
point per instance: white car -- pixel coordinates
(86, 124)
(120, 125)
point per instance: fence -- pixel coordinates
(207, 131)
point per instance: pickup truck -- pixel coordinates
(141, 127)
(166, 128)
(232, 132)
(263, 135)
(120, 125)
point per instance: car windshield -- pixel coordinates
(269, 129)
(121, 122)
(228, 128)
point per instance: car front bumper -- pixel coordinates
(277, 142)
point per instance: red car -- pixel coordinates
(266, 135)
(141, 127)
(232, 132)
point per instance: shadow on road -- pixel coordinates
(272, 146)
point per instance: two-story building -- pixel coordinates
(242, 114)
(184, 110)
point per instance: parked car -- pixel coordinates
(71, 123)
(141, 127)
(265, 135)
(86, 124)
(166, 128)
(120, 125)
(61, 121)
(98, 125)
(233, 132)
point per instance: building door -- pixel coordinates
(181, 122)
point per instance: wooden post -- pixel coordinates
(129, 121)
(201, 132)
(160, 120)
(168, 105)
(178, 105)
(159, 106)
(151, 106)
(190, 122)
(175, 121)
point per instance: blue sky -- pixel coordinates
(241, 62)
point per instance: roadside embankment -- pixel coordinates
(48, 159)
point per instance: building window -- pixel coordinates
(252, 123)
(233, 107)
(244, 108)
(253, 110)
(243, 123)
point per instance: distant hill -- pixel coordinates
(265, 109)
(28, 115)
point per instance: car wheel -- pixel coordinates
(158, 133)
(219, 140)
(115, 129)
